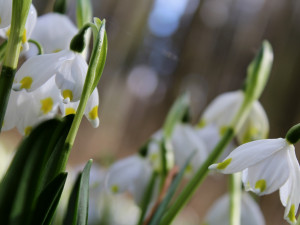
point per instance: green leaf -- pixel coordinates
(99, 53)
(176, 114)
(258, 72)
(23, 182)
(77, 213)
(48, 200)
(171, 191)
(83, 12)
(55, 164)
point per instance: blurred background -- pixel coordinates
(160, 48)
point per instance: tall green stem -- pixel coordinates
(19, 14)
(235, 183)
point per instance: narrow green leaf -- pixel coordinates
(147, 197)
(164, 204)
(100, 51)
(48, 200)
(77, 213)
(176, 114)
(55, 164)
(18, 194)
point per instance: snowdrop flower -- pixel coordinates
(29, 25)
(222, 110)
(131, 174)
(25, 110)
(54, 32)
(5, 13)
(68, 67)
(185, 142)
(250, 212)
(267, 165)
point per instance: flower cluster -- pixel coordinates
(48, 83)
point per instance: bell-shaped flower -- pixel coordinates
(187, 142)
(5, 13)
(222, 110)
(25, 110)
(29, 25)
(267, 165)
(68, 67)
(54, 32)
(91, 109)
(131, 174)
(250, 212)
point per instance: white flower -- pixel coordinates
(25, 110)
(267, 165)
(185, 142)
(250, 212)
(222, 110)
(68, 67)
(29, 25)
(91, 109)
(5, 13)
(131, 174)
(54, 32)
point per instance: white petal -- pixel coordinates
(31, 21)
(250, 212)
(38, 69)
(54, 32)
(126, 174)
(250, 154)
(223, 108)
(256, 125)
(71, 76)
(91, 109)
(11, 118)
(289, 193)
(5, 13)
(186, 141)
(69, 108)
(268, 175)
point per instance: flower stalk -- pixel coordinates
(235, 184)
(258, 73)
(20, 9)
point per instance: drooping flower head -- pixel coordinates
(222, 110)
(267, 165)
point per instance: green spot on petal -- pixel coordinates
(26, 82)
(224, 164)
(291, 214)
(201, 124)
(115, 189)
(47, 105)
(93, 114)
(250, 135)
(261, 185)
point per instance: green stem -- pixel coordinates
(38, 45)
(86, 92)
(235, 183)
(19, 14)
(6, 81)
(197, 179)
(147, 198)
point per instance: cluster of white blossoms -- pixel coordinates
(48, 83)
